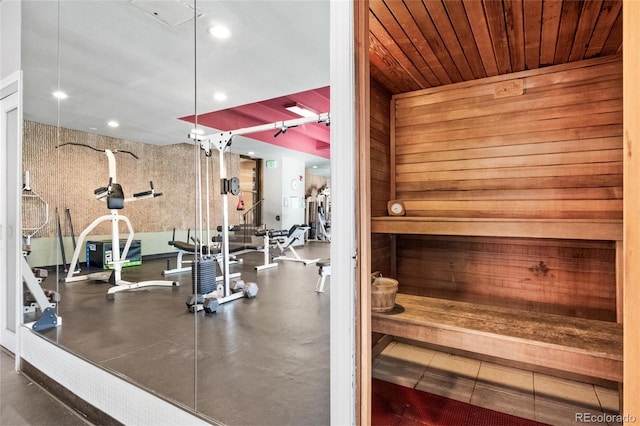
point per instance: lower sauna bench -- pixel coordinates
(582, 346)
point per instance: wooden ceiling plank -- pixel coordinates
(614, 41)
(458, 15)
(494, 11)
(551, 12)
(441, 58)
(532, 33)
(514, 16)
(608, 14)
(442, 22)
(399, 44)
(571, 10)
(422, 52)
(586, 25)
(478, 23)
(433, 43)
(386, 69)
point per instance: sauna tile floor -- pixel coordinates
(509, 390)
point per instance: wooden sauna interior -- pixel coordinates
(499, 125)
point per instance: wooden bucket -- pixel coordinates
(383, 294)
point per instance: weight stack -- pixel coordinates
(205, 281)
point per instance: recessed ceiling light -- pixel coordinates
(197, 131)
(113, 123)
(219, 96)
(250, 153)
(314, 167)
(220, 32)
(60, 95)
(300, 110)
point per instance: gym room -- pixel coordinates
(176, 208)
(471, 159)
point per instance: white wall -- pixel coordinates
(342, 365)
(10, 19)
(10, 177)
(281, 197)
(272, 193)
(293, 203)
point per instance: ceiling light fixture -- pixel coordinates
(113, 123)
(251, 153)
(197, 132)
(59, 95)
(220, 32)
(300, 110)
(219, 96)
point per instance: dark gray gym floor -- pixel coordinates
(257, 361)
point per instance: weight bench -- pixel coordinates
(186, 248)
(324, 270)
(285, 243)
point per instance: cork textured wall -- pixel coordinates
(67, 176)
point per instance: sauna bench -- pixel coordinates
(573, 229)
(587, 347)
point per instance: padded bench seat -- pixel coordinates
(581, 346)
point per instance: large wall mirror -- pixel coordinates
(118, 96)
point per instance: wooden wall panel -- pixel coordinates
(566, 277)
(315, 182)
(540, 144)
(537, 144)
(631, 266)
(380, 140)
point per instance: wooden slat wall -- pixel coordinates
(631, 267)
(380, 172)
(553, 152)
(565, 277)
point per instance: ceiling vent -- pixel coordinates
(171, 13)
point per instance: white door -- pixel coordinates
(10, 240)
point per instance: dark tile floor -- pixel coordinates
(22, 402)
(255, 361)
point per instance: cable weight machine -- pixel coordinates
(221, 142)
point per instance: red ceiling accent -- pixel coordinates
(310, 138)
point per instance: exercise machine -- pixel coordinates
(187, 248)
(36, 298)
(191, 246)
(221, 142)
(318, 214)
(113, 194)
(324, 271)
(208, 294)
(266, 259)
(285, 243)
